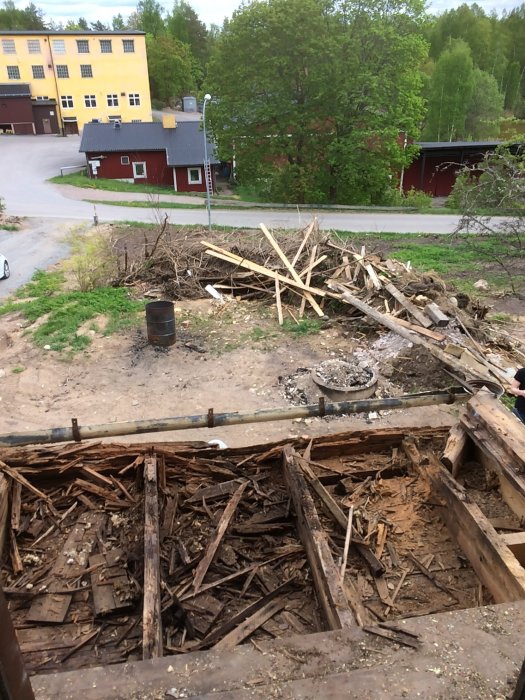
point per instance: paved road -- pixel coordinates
(26, 162)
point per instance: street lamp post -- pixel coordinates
(207, 167)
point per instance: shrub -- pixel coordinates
(93, 263)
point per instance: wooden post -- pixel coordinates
(14, 680)
(325, 574)
(151, 616)
(457, 446)
(498, 569)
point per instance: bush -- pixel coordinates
(93, 262)
(416, 199)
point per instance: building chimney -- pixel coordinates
(169, 121)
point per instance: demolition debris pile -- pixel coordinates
(322, 275)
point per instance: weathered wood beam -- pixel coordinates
(435, 314)
(151, 614)
(330, 594)
(499, 421)
(493, 456)
(456, 449)
(391, 323)
(412, 309)
(4, 511)
(332, 509)
(498, 569)
(216, 539)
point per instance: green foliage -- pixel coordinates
(413, 199)
(62, 314)
(13, 18)
(92, 263)
(312, 95)
(485, 108)
(172, 70)
(184, 25)
(450, 91)
(82, 180)
(305, 326)
(148, 17)
(18, 370)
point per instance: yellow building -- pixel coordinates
(55, 82)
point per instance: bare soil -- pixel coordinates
(232, 358)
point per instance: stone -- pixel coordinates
(483, 285)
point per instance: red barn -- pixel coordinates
(148, 152)
(435, 168)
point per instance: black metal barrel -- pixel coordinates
(160, 322)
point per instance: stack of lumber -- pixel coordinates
(369, 287)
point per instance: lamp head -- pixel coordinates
(207, 97)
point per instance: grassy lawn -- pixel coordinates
(64, 316)
(140, 204)
(80, 180)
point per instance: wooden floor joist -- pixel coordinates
(492, 454)
(151, 616)
(331, 596)
(495, 564)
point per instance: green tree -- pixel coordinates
(171, 68)
(12, 18)
(450, 91)
(512, 85)
(148, 18)
(311, 95)
(118, 23)
(485, 108)
(184, 24)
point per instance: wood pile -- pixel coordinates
(385, 292)
(119, 552)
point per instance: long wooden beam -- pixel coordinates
(330, 594)
(493, 456)
(151, 616)
(4, 510)
(495, 564)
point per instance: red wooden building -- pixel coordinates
(21, 114)
(148, 152)
(435, 168)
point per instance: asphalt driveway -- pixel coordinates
(26, 162)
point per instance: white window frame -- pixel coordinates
(39, 69)
(124, 160)
(8, 46)
(137, 176)
(59, 46)
(90, 101)
(83, 67)
(190, 180)
(112, 100)
(13, 72)
(128, 45)
(62, 68)
(66, 101)
(134, 99)
(33, 46)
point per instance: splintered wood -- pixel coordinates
(386, 292)
(180, 547)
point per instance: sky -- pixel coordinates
(209, 11)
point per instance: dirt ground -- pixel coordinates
(229, 359)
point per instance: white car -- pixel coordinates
(4, 268)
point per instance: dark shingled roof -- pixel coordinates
(184, 145)
(15, 90)
(449, 145)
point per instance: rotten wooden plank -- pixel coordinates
(71, 562)
(437, 316)
(330, 594)
(111, 587)
(151, 615)
(215, 541)
(456, 449)
(494, 563)
(250, 624)
(412, 309)
(4, 510)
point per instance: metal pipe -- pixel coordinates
(211, 420)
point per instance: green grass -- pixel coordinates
(8, 227)
(62, 313)
(306, 326)
(18, 370)
(140, 204)
(80, 180)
